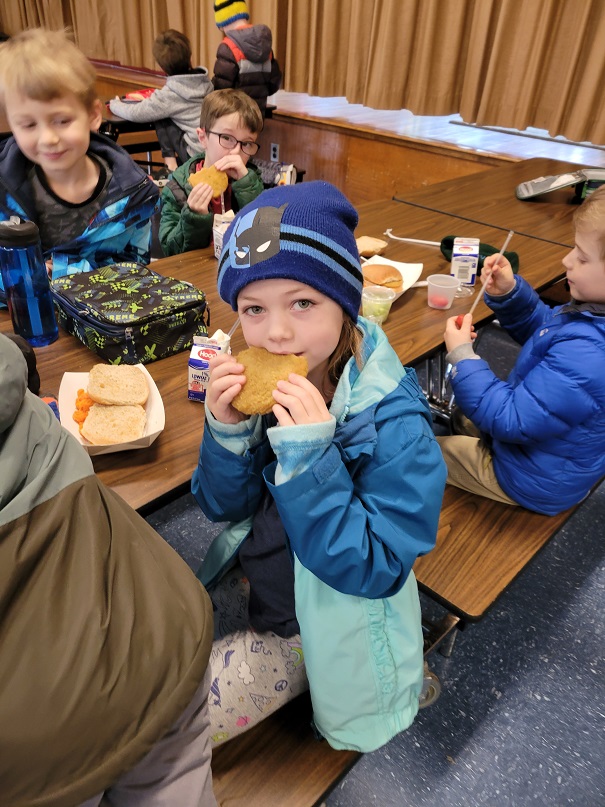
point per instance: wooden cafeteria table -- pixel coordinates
(144, 477)
(414, 329)
(488, 197)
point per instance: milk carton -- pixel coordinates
(204, 348)
(219, 227)
(465, 259)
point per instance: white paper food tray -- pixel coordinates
(154, 408)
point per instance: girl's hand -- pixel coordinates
(501, 277)
(226, 380)
(200, 198)
(459, 332)
(298, 402)
(232, 165)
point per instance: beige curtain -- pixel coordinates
(510, 63)
(123, 30)
(544, 66)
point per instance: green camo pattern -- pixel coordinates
(127, 313)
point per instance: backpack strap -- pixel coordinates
(235, 50)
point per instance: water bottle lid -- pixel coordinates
(22, 234)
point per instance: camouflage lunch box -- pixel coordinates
(126, 313)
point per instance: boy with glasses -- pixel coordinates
(229, 127)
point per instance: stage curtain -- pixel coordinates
(508, 63)
(123, 30)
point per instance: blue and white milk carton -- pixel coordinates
(203, 349)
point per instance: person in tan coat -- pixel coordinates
(105, 633)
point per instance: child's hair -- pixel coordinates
(172, 51)
(591, 216)
(219, 103)
(44, 65)
(348, 345)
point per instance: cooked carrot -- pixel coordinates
(83, 404)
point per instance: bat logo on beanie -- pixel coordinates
(255, 237)
(303, 232)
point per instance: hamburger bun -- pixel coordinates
(368, 246)
(263, 370)
(118, 384)
(218, 180)
(106, 425)
(382, 274)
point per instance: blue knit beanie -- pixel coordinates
(300, 232)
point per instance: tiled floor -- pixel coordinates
(521, 717)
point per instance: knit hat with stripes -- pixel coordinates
(228, 11)
(301, 232)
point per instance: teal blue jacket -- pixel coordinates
(359, 498)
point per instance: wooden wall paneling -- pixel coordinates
(365, 165)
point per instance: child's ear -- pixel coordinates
(201, 136)
(96, 115)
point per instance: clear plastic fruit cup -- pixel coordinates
(376, 302)
(441, 290)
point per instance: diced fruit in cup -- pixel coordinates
(380, 310)
(438, 301)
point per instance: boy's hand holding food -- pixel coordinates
(207, 183)
(199, 199)
(232, 165)
(459, 331)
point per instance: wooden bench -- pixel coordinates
(279, 762)
(481, 547)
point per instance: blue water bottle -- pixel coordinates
(26, 283)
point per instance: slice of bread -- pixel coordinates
(106, 425)
(118, 384)
(368, 246)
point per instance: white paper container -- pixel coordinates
(154, 408)
(410, 272)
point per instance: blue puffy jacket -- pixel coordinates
(547, 420)
(356, 518)
(121, 231)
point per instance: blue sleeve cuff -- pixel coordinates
(235, 437)
(297, 448)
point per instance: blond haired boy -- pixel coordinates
(230, 124)
(90, 200)
(540, 435)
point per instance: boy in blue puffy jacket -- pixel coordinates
(92, 203)
(541, 433)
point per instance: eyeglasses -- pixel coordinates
(227, 141)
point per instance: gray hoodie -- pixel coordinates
(180, 99)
